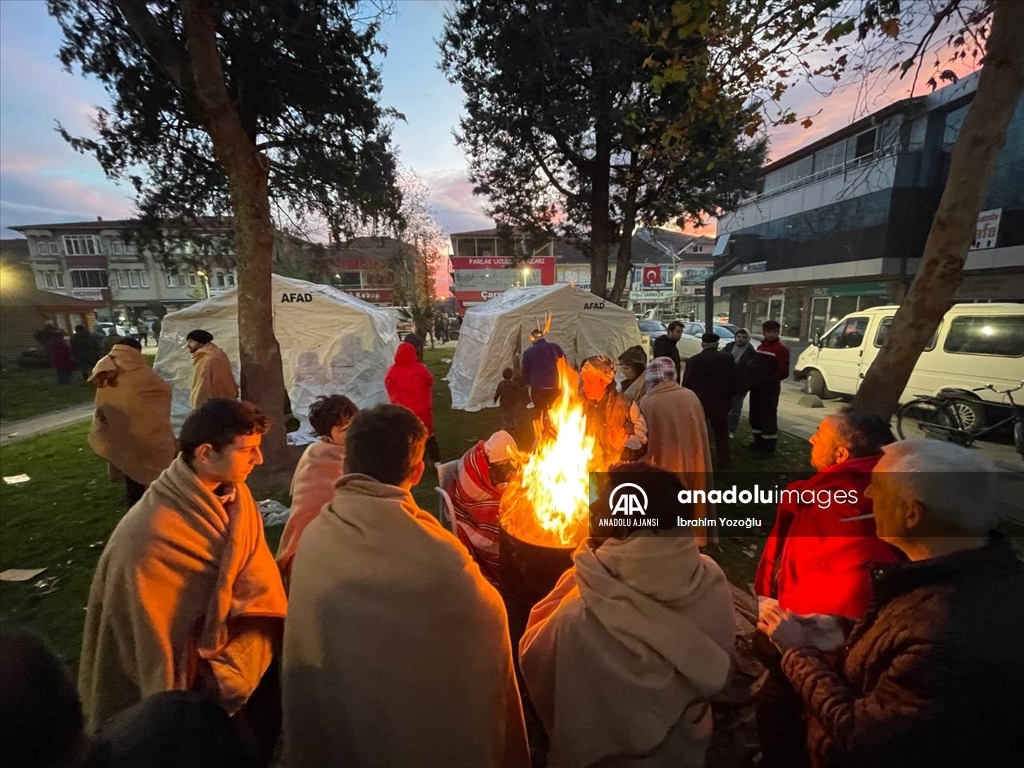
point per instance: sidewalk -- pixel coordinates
(13, 431)
(802, 422)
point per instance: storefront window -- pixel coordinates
(792, 314)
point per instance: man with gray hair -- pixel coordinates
(933, 674)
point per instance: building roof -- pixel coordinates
(203, 222)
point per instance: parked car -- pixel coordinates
(974, 345)
(652, 329)
(689, 342)
(113, 328)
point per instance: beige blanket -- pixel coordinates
(131, 424)
(677, 441)
(396, 650)
(178, 573)
(321, 466)
(213, 376)
(621, 658)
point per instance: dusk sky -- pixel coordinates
(43, 180)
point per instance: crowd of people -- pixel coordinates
(889, 626)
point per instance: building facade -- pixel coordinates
(840, 225)
(667, 277)
(101, 261)
(378, 270)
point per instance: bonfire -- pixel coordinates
(547, 504)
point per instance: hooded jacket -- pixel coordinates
(410, 384)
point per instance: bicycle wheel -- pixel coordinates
(927, 417)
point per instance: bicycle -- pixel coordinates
(942, 416)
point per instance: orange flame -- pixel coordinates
(548, 502)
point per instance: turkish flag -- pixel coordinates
(652, 275)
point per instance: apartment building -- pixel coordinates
(101, 261)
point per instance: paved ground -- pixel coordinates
(802, 421)
(13, 431)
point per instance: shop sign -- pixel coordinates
(852, 289)
(987, 231)
(756, 266)
(373, 296)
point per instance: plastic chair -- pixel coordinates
(446, 509)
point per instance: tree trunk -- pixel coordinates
(600, 221)
(953, 230)
(624, 259)
(247, 170)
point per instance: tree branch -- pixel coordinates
(162, 47)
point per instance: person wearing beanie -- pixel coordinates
(475, 489)
(616, 422)
(712, 376)
(632, 364)
(213, 376)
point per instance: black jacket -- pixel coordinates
(665, 347)
(742, 365)
(933, 675)
(712, 376)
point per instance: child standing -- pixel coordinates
(510, 396)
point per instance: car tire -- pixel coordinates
(814, 384)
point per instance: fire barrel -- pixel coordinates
(528, 573)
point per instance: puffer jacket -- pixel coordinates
(933, 676)
(410, 384)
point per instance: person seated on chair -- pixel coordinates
(475, 489)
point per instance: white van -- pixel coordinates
(975, 345)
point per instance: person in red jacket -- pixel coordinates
(768, 370)
(815, 568)
(410, 384)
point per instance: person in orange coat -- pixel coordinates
(410, 384)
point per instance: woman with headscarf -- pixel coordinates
(622, 657)
(615, 421)
(677, 433)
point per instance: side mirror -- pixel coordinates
(817, 339)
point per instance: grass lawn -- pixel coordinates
(27, 392)
(61, 518)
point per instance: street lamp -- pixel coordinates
(206, 281)
(526, 276)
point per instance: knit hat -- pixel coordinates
(634, 356)
(710, 338)
(599, 367)
(661, 369)
(500, 447)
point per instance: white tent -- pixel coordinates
(331, 343)
(494, 334)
